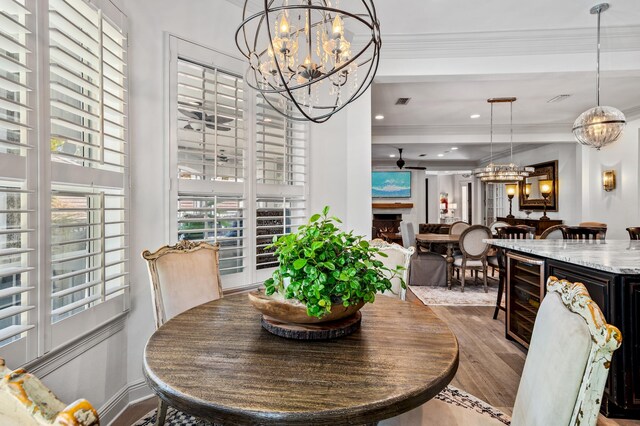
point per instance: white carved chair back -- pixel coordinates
(183, 276)
(568, 360)
(396, 256)
(408, 234)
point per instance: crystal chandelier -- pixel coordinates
(502, 173)
(301, 59)
(601, 125)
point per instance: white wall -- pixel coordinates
(568, 179)
(620, 207)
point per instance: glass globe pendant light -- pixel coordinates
(601, 125)
(502, 173)
(301, 58)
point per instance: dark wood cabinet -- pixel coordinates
(539, 225)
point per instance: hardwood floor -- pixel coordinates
(490, 366)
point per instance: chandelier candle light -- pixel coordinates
(601, 125)
(502, 173)
(301, 59)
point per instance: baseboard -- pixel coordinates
(132, 393)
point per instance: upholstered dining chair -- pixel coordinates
(497, 224)
(396, 256)
(474, 252)
(552, 233)
(634, 232)
(182, 276)
(458, 227)
(426, 268)
(25, 401)
(570, 330)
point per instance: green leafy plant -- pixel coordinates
(324, 265)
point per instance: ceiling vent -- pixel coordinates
(403, 101)
(558, 98)
(422, 155)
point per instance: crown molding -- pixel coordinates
(506, 43)
(505, 153)
(425, 130)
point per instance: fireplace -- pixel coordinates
(385, 222)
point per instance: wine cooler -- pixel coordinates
(525, 291)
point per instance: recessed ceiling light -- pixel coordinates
(440, 155)
(392, 155)
(379, 117)
(474, 116)
(267, 120)
(454, 148)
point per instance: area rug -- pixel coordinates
(473, 295)
(449, 395)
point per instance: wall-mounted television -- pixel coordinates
(391, 184)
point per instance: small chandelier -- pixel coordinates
(300, 59)
(601, 125)
(502, 173)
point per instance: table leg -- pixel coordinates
(449, 264)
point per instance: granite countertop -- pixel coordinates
(616, 256)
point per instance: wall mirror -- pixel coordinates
(530, 197)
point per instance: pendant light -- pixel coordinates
(301, 59)
(502, 173)
(601, 125)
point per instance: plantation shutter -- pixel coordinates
(215, 219)
(209, 150)
(275, 217)
(18, 239)
(89, 165)
(281, 153)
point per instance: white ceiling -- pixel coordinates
(454, 16)
(451, 101)
(466, 154)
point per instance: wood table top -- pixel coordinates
(438, 238)
(215, 361)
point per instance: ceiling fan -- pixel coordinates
(400, 163)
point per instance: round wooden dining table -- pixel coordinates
(216, 362)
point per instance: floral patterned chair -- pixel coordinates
(25, 401)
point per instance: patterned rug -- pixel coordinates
(450, 395)
(473, 295)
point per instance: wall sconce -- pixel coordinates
(546, 188)
(609, 180)
(511, 189)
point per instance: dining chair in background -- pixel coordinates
(474, 252)
(396, 256)
(582, 233)
(601, 226)
(458, 227)
(634, 233)
(182, 276)
(553, 233)
(426, 268)
(26, 401)
(495, 225)
(566, 391)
